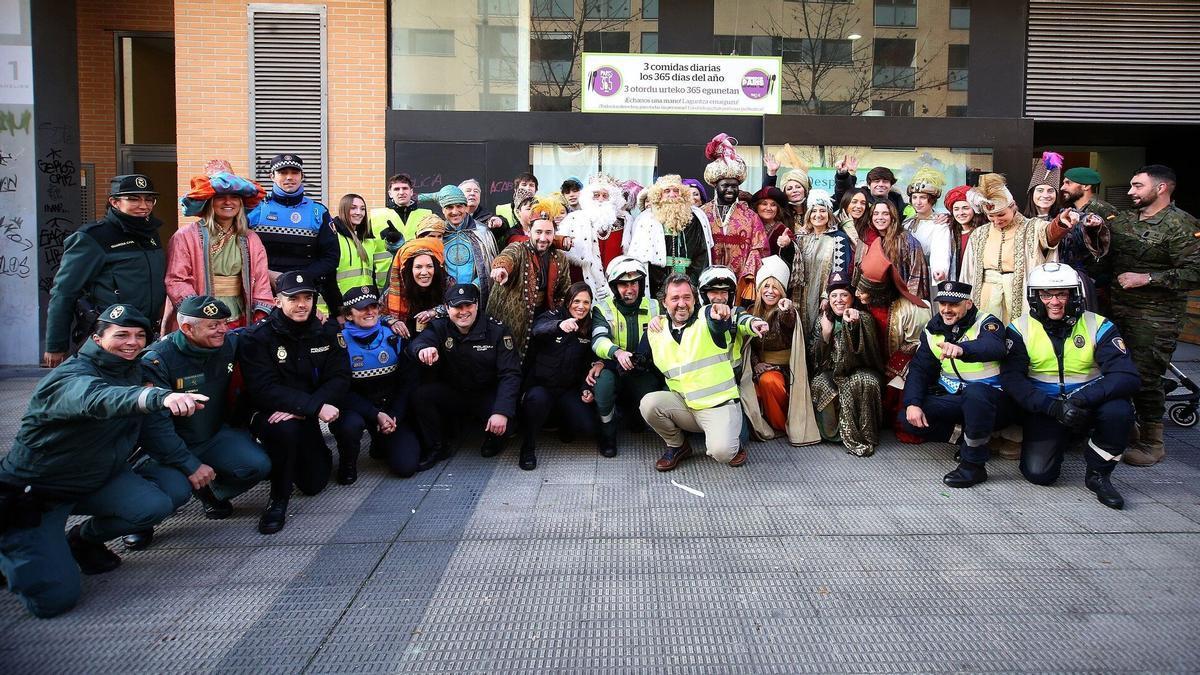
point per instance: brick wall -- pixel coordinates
(97, 21)
(212, 100)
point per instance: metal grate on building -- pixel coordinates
(287, 89)
(1106, 61)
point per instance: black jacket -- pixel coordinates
(925, 368)
(369, 396)
(558, 360)
(483, 360)
(291, 367)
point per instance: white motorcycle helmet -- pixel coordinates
(1054, 276)
(717, 277)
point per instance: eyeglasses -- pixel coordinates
(1054, 295)
(139, 199)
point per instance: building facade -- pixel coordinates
(457, 89)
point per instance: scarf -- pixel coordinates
(190, 350)
(110, 365)
(287, 198)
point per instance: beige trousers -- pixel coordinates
(669, 416)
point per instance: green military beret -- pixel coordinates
(125, 315)
(1083, 175)
(204, 307)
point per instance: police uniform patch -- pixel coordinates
(210, 309)
(508, 342)
(356, 362)
(295, 217)
(1079, 341)
(366, 290)
(341, 340)
(116, 312)
(281, 353)
(991, 326)
(383, 356)
(947, 286)
(299, 279)
(229, 367)
(1119, 344)
(449, 343)
(140, 182)
(1008, 345)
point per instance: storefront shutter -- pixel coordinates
(287, 89)
(1103, 61)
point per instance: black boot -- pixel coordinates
(92, 558)
(606, 439)
(347, 471)
(528, 461)
(437, 452)
(274, 518)
(138, 540)
(966, 475)
(492, 445)
(1097, 481)
(214, 509)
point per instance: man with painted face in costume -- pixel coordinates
(739, 237)
(1070, 370)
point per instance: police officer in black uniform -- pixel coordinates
(480, 373)
(117, 259)
(954, 379)
(199, 358)
(295, 369)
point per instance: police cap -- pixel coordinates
(125, 315)
(952, 291)
(462, 294)
(294, 283)
(286, 160)
(204, 307)
(131, 184)
(360, 297)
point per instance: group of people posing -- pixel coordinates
(600, 308)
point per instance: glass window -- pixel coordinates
(956, 111)
(649, 9)
(551, 57)
(499, 7)
(423, 42)
(609, 42)
(957, 70)
(960, 14)
(896, 13)
(649, 43)
(147, 66)
(893, 67)
(833, 58)
(606, 9)
(553, 9)
(954, 163)
(893, 108)
(423, 102)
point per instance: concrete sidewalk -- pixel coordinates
(804, 560)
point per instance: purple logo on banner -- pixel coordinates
(756, 84)
(605, 81)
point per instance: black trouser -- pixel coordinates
(400, 449)
(566, 407)
(1045, 441)
(298, 454)
(436, 404)
(979, 408)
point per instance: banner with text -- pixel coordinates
(681, 84)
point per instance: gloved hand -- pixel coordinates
(390, 234)
(1070, 414)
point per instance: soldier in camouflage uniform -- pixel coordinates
(1154, 261)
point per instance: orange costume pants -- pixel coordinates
(773, 398)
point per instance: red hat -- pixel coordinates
(958, 194)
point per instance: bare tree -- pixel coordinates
(822, 64)
(558, 44)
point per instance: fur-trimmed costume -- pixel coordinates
(593, 223)
(671, 235)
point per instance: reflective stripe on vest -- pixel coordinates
(352, 271)
(957, 370)
(696, 368)
(647, 309)
(1079, 353)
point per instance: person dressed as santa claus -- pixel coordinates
(598, 221)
